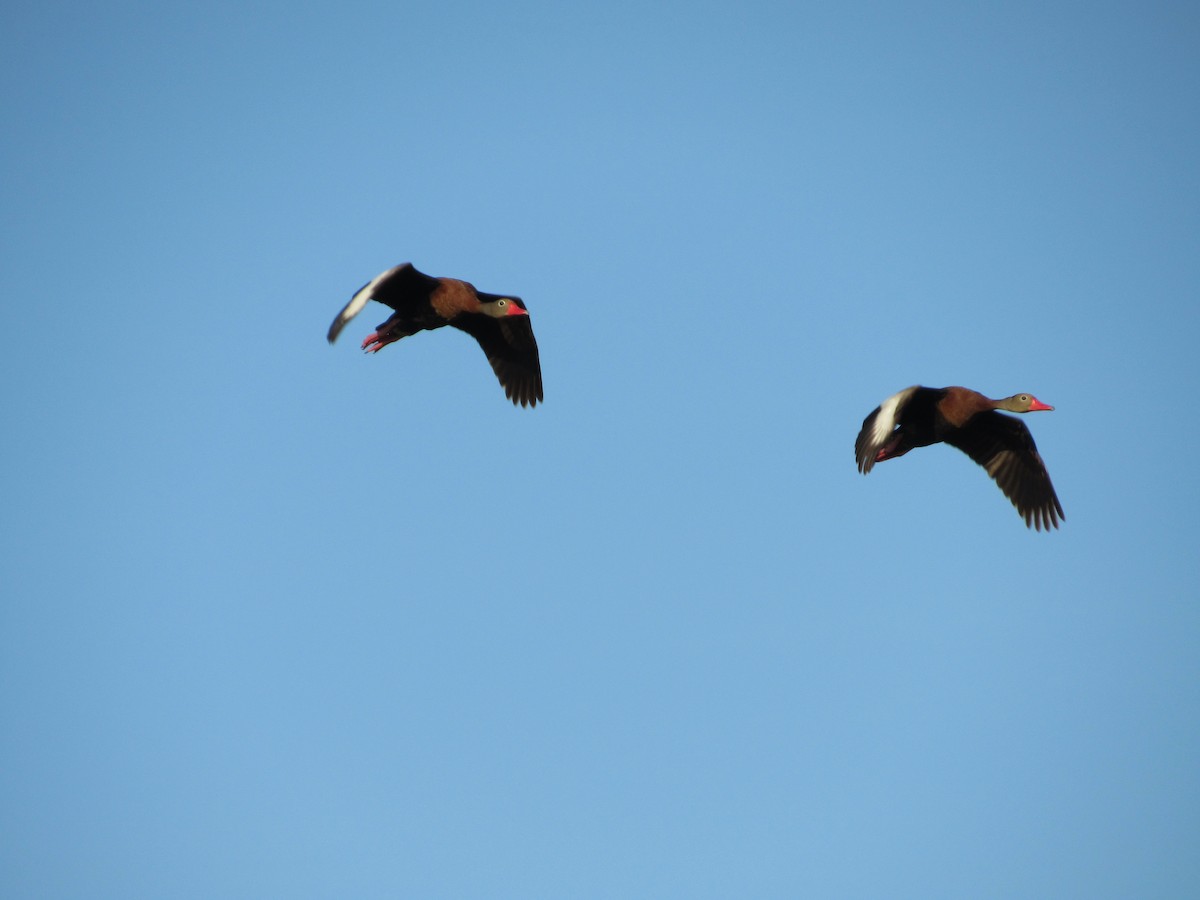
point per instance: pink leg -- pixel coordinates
(889, 450)
(376, 341)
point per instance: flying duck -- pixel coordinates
(499, 322)
(920, 416)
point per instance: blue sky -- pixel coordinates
(283, 620)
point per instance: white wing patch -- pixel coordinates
(356, 304)
(889, 410)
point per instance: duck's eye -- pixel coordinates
(502, 303)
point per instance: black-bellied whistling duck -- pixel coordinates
(920, 416)
(421, 303)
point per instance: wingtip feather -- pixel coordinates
(349, 311)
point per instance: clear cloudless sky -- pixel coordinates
(279, 619)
